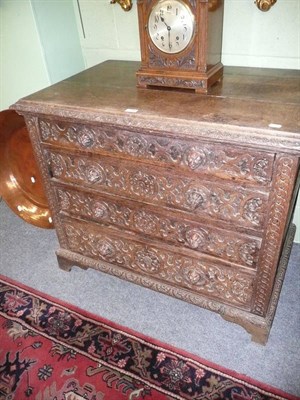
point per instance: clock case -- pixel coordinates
(199, 65)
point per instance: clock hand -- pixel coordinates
(169, 31)
(163, 20)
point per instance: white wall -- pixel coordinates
(39, 45)
(110, 32)
(59, 36)
(22, 66)
(250, 37)
(262, 39)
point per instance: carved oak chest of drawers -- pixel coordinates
(187, 194)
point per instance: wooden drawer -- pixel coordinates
(151, 222)
(203, 200)
(189, 155)
(200, 276)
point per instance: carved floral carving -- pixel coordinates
(143, 184)
(196, 198)
(158, 61)
(94, 173)
(183, 193)
(206, 158)
(172, 82)
(195, 157)
(196, 238)
(86, 137)
(148, 261)
(145, 222)
(195, 276)
(106, 249)
(220, 282)
(135, 145)
(250, 209)
(98, 209)
(233, 247)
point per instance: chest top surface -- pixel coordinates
(249, 106)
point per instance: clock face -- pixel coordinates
(171, 26)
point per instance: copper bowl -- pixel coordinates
(20, 180)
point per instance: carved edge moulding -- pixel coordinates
(286, 170)
(219, 133)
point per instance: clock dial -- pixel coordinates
(171, 26)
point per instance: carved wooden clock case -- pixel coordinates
(181, 43)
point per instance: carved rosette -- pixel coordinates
(195, 276)
(147, 261)
(135, 146)
(100, 210)
(106, 249)
(196, 238)
(143, 184)
(145, 222)
(86, 138)
(196, 198)
(196, 157)
(204, 158)
(172, 268)
(94, 173)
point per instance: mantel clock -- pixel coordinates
(181, 43)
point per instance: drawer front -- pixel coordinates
(199, 276)
(219, 160)
(154, 223)
(245, 207)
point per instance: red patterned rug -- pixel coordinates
(50, 350)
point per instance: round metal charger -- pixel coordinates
(20, 181)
